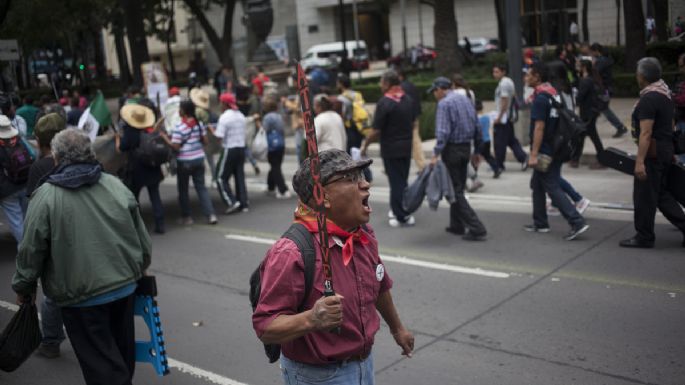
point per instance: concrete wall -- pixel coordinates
(601, 18)
(310, 13)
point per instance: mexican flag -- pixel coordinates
(95, 116)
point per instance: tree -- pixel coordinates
(137, 40)
(586, 30)
(221, 44)
(635, 33)
(661, 19)
(448, 60)
(501, 27)
(618, 22)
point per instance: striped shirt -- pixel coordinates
(188, 134)
(455, 121)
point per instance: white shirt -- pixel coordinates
(330, 131)
(231, 128)
(505, 89)
(20, 124)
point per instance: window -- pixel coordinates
(313, 28)
(547, 21)
(194, 31)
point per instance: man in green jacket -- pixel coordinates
(86, 241)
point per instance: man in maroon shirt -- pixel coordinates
(309, 348)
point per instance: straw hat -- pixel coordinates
(6, 129)
(200, 98)
(137, 116)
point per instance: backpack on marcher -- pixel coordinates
(153, 150)
(18, 159)
(570, 132)
(514, 108)
(305, 244)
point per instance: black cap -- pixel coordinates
(332, 162)
(440, 82)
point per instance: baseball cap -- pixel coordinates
(174, 91)
(332, 162)
(439, 82)
(228, 99)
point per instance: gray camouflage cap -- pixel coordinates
(333, 162)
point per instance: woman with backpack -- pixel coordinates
(139, 125)
(188, 140)
(275, 134)
(588, 99)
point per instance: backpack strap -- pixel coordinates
(305, 244)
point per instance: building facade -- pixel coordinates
(542, 21)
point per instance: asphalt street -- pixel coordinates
(519, 308)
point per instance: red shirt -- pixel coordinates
(360, 282)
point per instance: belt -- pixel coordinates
(356, 357)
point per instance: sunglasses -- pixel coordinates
(354, 176)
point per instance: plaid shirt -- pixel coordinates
(455, 121)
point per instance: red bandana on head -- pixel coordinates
(306, 216)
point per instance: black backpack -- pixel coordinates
(305, 244)
(570, 132)
(18, 160)
(153, 150)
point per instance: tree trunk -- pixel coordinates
(4, 10)
(122, 57)
(221, 45)
(661, 19)
(635, 32)
(446, 39)
(137, 41)
(618, 22)
(586, 30)
(100, 66)
(169, 33)
(501, 26)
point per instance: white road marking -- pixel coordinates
(395, 259)
(182, 367)
(201, 373)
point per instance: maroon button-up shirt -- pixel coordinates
(360, 283)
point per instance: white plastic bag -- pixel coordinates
(260, 145)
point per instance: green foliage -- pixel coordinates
(427, 120)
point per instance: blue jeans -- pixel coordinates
(14, 207)
(550, 183)
(51, 323)
(569, 190)
(348, 373)
(613, 119)
(196, 170)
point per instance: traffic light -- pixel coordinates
(81, 67)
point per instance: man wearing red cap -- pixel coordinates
(231, 130)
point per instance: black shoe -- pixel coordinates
(473, 237)
(619, 133)
(455, 231)
(159, 227)
(535, 229)
(48, 351)
(498, 172)
(638, 243)
(576, 231)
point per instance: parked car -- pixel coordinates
(328, 54)
(481, 45)
(419, 56)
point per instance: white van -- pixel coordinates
(322, 54)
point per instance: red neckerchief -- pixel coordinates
(190, 122)
(395, 93)
(307, 217)
(542, 88)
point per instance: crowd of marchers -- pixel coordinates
(60, 190)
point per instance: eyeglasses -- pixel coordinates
(354, 176)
